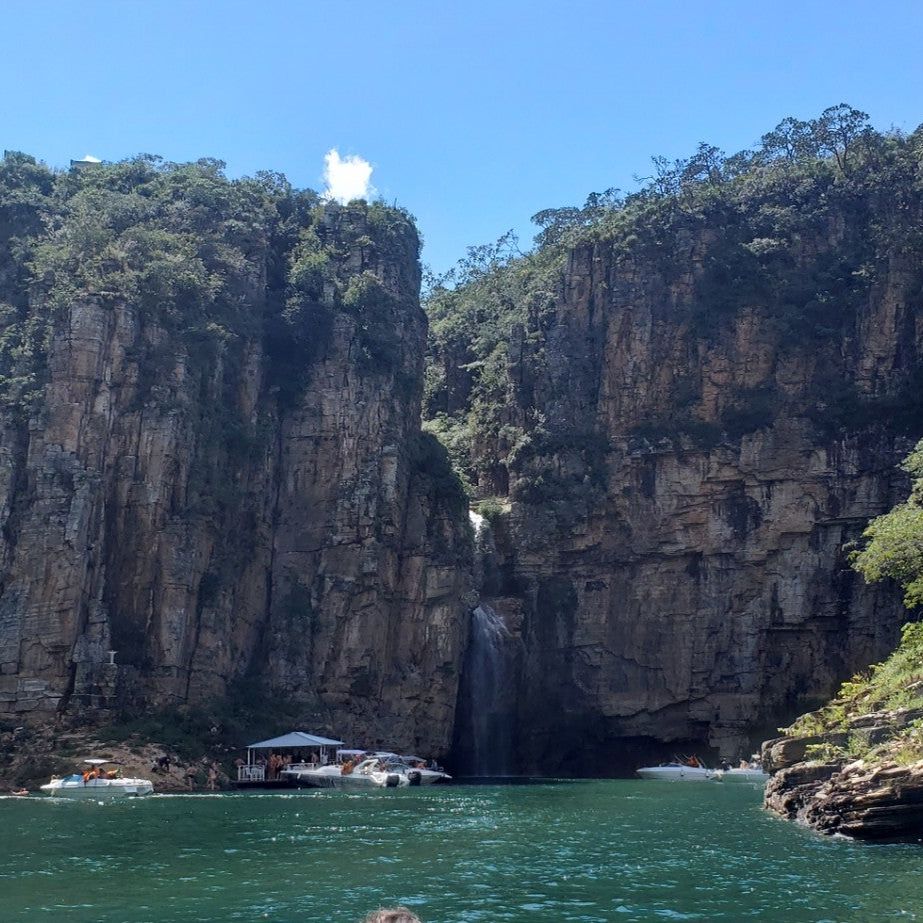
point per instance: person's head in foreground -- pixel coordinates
(392, 915)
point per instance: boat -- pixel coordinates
(303, 759)
(752, 774)
(413, 767)
(368, 773)
(288, 755)
(429, 775)
(679, 772)
(97, 782)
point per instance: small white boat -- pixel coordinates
(679, 772)
(97, 783)
(370, 773)
(752, 774)
(428, 776)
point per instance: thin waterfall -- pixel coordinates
(491, 733)
(486, 697)
(484, 549)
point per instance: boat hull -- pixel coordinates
(353, 781)
(99, 789)
(679, 774)
(431, 777)
(745, 776)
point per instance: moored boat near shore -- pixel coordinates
(97, 783)
(679, 772)
(753, 775)
(369, 773)
(303, 759)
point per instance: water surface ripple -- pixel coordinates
(586, 852)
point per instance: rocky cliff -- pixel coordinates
(855, 766)
(211, 460)
(673, 415)
(701, 400)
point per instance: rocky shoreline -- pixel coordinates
(879, 796)
(30, 756)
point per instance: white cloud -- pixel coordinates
(347, 178)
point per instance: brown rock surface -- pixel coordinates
(882, 801)
(681, 588)
(178, 512)
(877, 800)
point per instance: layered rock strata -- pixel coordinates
(226, 533)
(679, 503)
(870, 798)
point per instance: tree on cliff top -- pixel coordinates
(894, 542)
(216, 263)
(800, 232)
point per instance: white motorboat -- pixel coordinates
(369, 773)
(679, 772)
(414, 767)
(101, 780)
(752, 774)
(428, 775)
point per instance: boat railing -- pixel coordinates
(251, 773)
(256, 772)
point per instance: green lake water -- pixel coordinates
(568, 851)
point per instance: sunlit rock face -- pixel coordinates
(238, 500)
(673, 588)
(225, 533)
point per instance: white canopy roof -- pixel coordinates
(295, 739)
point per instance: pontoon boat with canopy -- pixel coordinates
(296, 744)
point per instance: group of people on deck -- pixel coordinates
(97, 772)
(275, 763)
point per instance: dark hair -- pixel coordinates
(392, 915)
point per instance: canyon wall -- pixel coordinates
(687, 423)
(673, 419)
(239, 508)
(672, 591)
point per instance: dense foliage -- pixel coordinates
(801, 230)
(472, 311)
(210, 261)
(892, 548)
(893, 543)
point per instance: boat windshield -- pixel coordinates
(395, 764)
(367, 765)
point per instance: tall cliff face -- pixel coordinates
(679, 592)
(211, 457)
(699, 409)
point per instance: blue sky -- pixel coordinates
(475, 115)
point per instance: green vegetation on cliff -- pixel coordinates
(893, 543)
(472, 311)
(892, 548)
(211, 262)
(800, 233)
